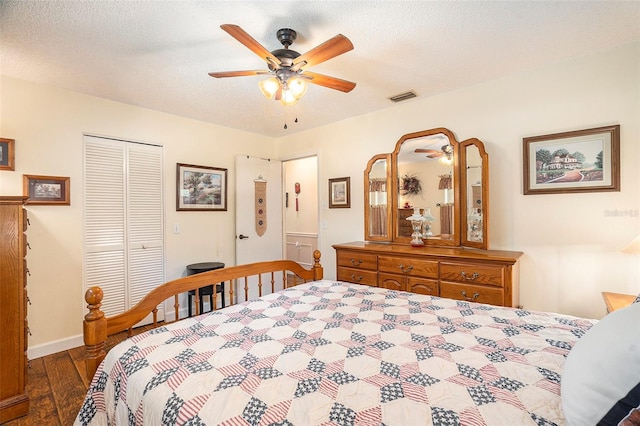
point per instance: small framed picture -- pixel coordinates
(47, 190)
(340, 193)
(7, 154)
(201, 188)
(578, 161)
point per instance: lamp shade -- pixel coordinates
(297, 86)
(633, 247)
(288, 97)
(269, 87)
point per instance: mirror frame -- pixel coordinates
(464, 207)
(367, 171)
(460, 213)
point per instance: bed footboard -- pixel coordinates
(97, 327)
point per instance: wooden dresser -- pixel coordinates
(14, 401)
(484, 276)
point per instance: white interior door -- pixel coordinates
(250, 247)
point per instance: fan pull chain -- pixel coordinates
(285, 117)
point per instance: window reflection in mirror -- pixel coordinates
(378, 192)
(425, 180)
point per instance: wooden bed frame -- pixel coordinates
(97, 328)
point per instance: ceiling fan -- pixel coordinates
(434, 153)
(287, 67)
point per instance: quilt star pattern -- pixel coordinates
(334, 353)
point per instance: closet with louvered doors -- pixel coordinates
(123, 221)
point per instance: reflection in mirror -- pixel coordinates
(377, 192)
(474, 194)
(425, 173)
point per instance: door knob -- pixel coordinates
(242, 237)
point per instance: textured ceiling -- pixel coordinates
(156, 54)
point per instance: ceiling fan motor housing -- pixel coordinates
(286, 36)
(286, 56)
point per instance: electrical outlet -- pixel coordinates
(176, 228)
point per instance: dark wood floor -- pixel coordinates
(57, 384)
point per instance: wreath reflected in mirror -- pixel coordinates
(411, 185)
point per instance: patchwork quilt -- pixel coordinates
(333, 353)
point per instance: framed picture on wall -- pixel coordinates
(340, 193)
(47, 190)
(7, 154)
(200, 188)
(578, 161)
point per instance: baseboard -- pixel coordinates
(44, 349)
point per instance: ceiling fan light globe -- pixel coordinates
(446, 160)
(288, 98)
(297, 87)
(269, 87)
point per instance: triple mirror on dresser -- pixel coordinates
(445, 179)
(426, 228)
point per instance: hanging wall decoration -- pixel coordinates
(296, 187)
(7, 154)
(261, 205)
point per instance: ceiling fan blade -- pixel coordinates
(426, 151)
(243, 37)
(237, 73)
(330, 82)
(329, 49)
(436, 155)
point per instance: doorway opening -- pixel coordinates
(300, 213)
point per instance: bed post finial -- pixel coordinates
(317, 268)
(95, 330)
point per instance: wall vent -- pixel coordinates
(403, 96)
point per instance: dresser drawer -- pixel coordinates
(409, 266)
(472, 293)
(357, 260)
(473, 273)
(392, 281)
(358, 276)
(422, 286)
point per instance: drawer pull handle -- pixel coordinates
(406, 269)
(28, 300)
(353, 277)
(470, 299)
(28, 223)
(27, 271)
(29, 331)
(356, 262)
(471, 278)
(29, 246)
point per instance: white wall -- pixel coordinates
(48, 124)
(569, 241)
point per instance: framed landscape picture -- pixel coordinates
(7, 154)
(201, 188)
(339, 193)
(577, 161)
(47, 190)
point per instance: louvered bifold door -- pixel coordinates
(145, 222)
(104, 221)
(123, 230)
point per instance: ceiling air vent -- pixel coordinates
(403, 96)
